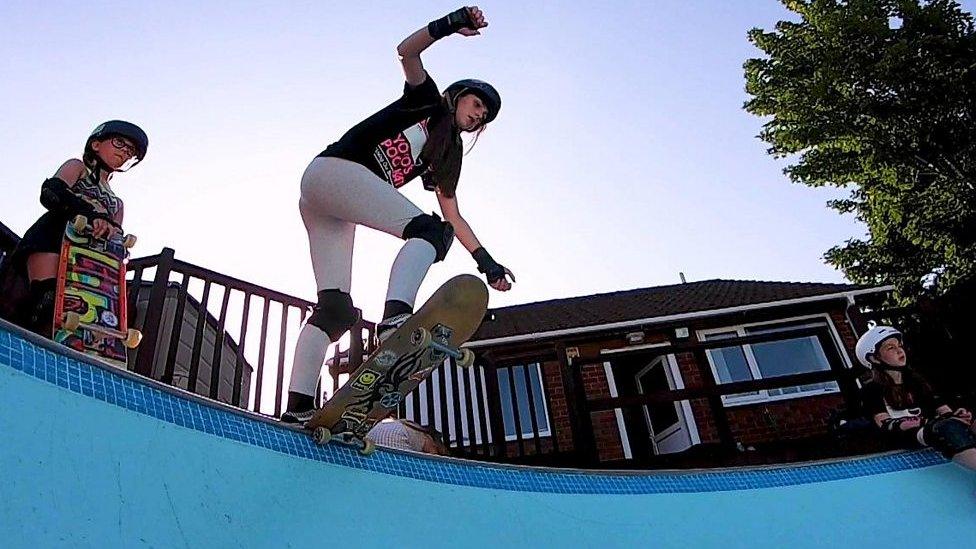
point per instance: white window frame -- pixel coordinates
(731, 401)
(547, 432)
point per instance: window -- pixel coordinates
(789, 356)
(474, 402)
(519, 373)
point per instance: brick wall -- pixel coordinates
(605, 428)
(558, 410)
(784, 419)
(606, 431)
(846, 332)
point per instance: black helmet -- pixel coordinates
(124, 129)
(485, 91)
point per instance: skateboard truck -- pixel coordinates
(421, 337)
(322, 435)
(463, 357)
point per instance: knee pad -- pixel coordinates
(949, 436)
(439, 233)
(334, 313)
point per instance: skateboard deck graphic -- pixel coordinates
(90, 309)
(399, 364)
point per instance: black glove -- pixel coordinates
(492, 270)
(450, 23)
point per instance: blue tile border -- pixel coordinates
(48, 362)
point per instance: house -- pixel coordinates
(630, 377)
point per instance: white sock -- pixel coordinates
(409, 269)
(309, 357)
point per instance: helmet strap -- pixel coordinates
(100, 166)
(885, 366)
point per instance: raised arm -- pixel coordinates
(465, 21)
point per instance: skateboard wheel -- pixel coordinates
(79, 223)
(420, 337)
(129, 241)
(368, 447)
(322, 435)
(133, 339)
(71, 320)
(466, 360)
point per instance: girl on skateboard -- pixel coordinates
(905, 406)
(80, 187)
(355, 181)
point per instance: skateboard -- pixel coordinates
(90, 307)
(400, 363)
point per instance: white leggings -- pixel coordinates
(337, 195)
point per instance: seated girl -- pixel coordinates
(904, 405)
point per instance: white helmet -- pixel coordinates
(868, 343)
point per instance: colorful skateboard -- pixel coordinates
(400, 363)
(90, 301)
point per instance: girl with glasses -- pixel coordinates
(79, 187)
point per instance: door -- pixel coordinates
(667, 422)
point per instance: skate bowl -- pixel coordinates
(93, 456)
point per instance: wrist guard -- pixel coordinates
(892, 425)
(449, 24)
(488, 266)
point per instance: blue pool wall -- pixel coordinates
(94, 456)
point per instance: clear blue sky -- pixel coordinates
(621, 156)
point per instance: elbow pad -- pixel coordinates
(58, 198)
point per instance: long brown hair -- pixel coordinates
(444, 149)
(899, 395)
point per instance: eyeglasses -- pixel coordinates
(124, 146)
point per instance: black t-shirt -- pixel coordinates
(923, 400)
(389, 142)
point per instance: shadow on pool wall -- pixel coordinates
(96, 456)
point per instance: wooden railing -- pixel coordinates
(179, 341)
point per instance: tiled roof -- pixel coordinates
(629, 305)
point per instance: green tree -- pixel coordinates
(879, 96)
